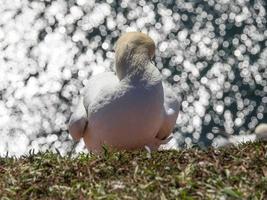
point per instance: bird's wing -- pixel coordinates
(171, 107)
(78, 121)
(93, 90)
(97, 85)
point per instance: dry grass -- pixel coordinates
(230, 173)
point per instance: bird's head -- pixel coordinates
(133, 52)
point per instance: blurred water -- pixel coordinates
(213, 52)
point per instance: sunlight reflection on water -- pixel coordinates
(214, 54)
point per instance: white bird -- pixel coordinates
(131, 110)
(260, 134)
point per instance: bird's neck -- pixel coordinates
(144, 75)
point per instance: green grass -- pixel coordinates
(233, 173)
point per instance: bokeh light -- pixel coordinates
(212, 52)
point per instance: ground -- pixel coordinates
(227, 173)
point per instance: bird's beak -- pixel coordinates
(152, 60)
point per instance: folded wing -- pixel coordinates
(78, 121)
(171, 110)
(79, 118)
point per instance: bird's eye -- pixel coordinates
(152, 60)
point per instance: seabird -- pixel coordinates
(130, 109)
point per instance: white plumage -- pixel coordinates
(128, 111)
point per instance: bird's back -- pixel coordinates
(127, 115)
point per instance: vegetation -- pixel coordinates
(228, 173)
